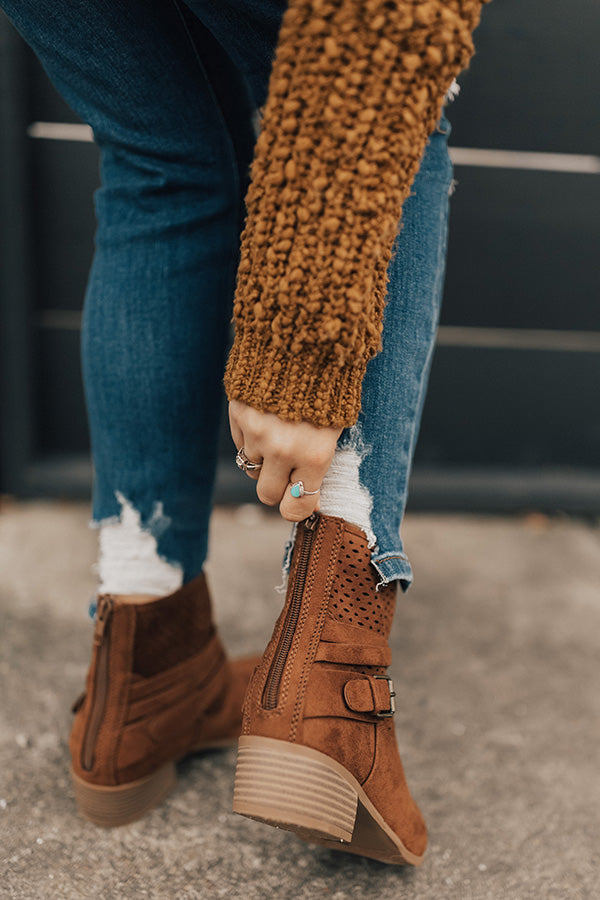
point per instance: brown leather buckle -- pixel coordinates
(388, 712)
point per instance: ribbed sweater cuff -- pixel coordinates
(312, 388)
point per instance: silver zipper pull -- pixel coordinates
(311, 523)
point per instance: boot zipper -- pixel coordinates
(270, 696)
(100, 686)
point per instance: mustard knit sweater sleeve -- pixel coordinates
(356, 88)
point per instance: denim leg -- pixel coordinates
(384, 438)
(161, 284)
(169, 211)
(248, 30)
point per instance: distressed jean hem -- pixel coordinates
(132, 556)
(393, 567)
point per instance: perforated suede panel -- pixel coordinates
(354, 599)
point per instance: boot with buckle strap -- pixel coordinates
(318, 753)
(159, 687)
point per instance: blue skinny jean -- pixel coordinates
(171, 89)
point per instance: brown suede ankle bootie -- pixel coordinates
(318, 753)
(159, 687)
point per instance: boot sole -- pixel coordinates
(304, 791)
(109, 805)
(112, 805)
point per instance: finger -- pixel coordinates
(294, 509)
(254, 455)
(237, 436)
(236, 432)
(273, 481)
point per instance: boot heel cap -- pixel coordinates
(293, 787)
(305, 791)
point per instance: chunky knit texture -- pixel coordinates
(357, 86)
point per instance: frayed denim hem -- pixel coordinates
(393, 567)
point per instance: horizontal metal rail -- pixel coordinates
(461, 156)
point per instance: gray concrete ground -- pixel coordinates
(497, 668)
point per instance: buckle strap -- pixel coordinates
(346, 694)
(201, 689)
(353, 654)
(371, 694)
(340, 633)
(205, 665)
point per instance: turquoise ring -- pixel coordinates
(298, 490)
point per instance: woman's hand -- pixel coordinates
(289, 452)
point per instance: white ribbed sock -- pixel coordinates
(343, 495)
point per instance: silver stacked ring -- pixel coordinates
(245, 464)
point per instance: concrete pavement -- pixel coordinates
(497, 670)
